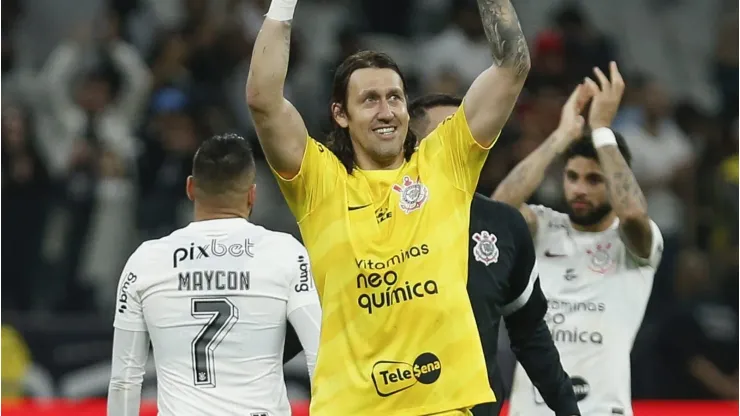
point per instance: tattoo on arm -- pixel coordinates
(625, 194)
(508, 45)
(527, 175)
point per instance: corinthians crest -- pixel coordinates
(413, 194)
(601, 259)
(485, 249)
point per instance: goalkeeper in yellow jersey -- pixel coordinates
(386, 223)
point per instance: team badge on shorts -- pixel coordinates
(413, 194)
(601, 259)
(485, 249)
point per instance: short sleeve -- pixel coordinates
(453, 149)
(129, 310)
(301, 289)
(320, 171)
(656, 249)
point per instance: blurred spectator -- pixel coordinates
(18, 80)
(585, 46)
(169, 61)
(726, 65)
(663, 161)
(460, 49)
(87, 138)
(170, 141)
(699, 339)
(549, 57)
(390, 17)
(25, 195)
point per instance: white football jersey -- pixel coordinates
(214, 297)
(597, 292)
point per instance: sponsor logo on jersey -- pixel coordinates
(356, 207)
(305, 282)
(212, 249)
(413, 194)
(123, 294)
(381, 286)
(395, 260)
(387, 293)
(581, 388)
(485, 249)
(557, 320)
(391, 377)
(382, 214)
(570, 274)
(554, 305)
(601, 258)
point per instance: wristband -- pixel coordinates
(282, 10)
(603, 136)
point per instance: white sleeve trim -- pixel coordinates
(523, 298)
(130, 353)
(306, 321)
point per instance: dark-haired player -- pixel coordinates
(503, 280)
(597, 261)
(386, 224)
(214, 298)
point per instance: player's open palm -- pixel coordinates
(571, 120)
(607, 96)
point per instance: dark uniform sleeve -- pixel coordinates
(530, 338)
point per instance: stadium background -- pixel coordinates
(80, 191)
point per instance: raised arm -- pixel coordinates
(625, 194)
(524, 179)
(281, 130)
(489, 101)
(138, 80)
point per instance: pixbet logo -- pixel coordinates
(214, 248)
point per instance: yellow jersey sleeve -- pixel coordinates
(319, 173)
(452, 148)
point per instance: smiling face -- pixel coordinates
(585, 191)
(376, 116)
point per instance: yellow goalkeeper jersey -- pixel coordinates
(389, 251)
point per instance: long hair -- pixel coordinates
(338, 139)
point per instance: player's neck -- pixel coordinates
(600, 226)
(205, 213)
(366, 162)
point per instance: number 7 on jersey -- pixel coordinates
(221, 315)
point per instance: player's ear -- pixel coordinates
(252, 195)
(190, 188)
(339, 115)
(251, 199)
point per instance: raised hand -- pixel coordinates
(571, 120)
(606, 96)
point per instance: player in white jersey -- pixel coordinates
(597, 261)
(214, 298)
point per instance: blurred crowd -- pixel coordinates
(105, 102)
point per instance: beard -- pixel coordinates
(592, 217)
